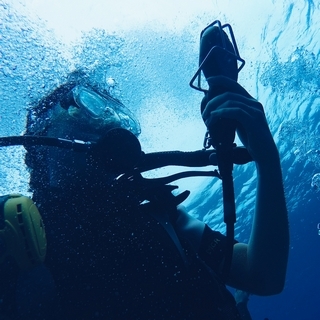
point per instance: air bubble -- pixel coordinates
(296, 152)
(315, 182)
(110, 82)
(7, 72)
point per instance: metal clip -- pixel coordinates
(207, 140)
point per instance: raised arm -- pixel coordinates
(258, 267)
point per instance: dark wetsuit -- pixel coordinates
(8, 278)
(115, 263)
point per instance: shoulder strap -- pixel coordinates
(164, 220)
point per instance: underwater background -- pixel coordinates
(145, 53)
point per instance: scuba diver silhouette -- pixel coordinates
(120, 246)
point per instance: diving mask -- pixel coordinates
(98, 110)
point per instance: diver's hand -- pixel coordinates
(236, 103)
(260, 266)
(241, 296)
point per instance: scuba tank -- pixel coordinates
(22, 233)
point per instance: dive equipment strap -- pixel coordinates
(164, 220)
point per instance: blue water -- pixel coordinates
(148, 67)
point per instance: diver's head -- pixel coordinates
(79, 111)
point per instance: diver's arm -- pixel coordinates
(260, 266)
(243, 311)
(189, 227)
(242, 298)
